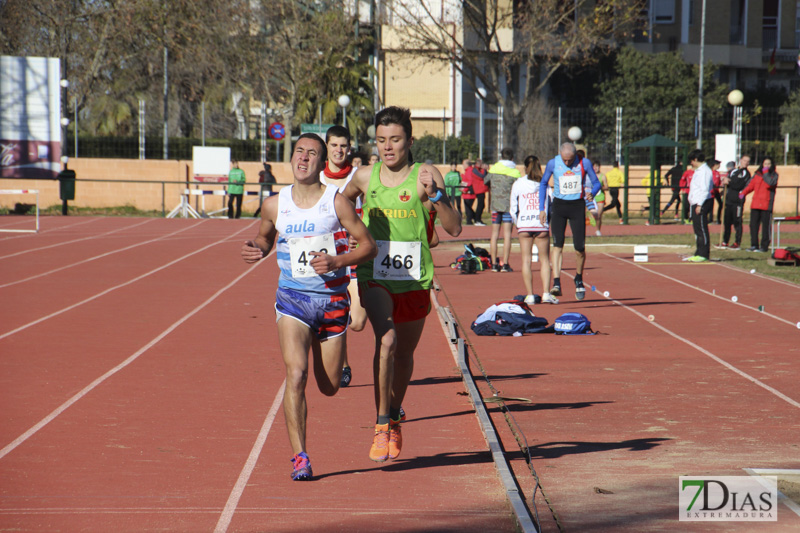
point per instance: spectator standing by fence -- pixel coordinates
(701, 202)
(266, 180)
(763, 186)
(734, 206)
(686, 182)
(468, 193)
(452, 185)
(615, 179)
(480, 188)
(236, 181)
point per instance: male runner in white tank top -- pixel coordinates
(310, 222)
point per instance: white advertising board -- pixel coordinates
(30, 117)
(211, 163)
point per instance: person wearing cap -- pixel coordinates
(735, 183)
(701, 202)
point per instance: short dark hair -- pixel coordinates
(507, 154)
(337, 131)
(323, 147)
(697, 155)
(395, 115)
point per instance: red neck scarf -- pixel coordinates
(341, 174)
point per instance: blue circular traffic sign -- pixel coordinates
(277, 131)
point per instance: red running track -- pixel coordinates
(709, 387)
(141, 382)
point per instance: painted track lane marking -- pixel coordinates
(60, 228)
(103, 293)
(244, 476)
(793, 324)
(74, 240)
(702, 350)
(94, 384)
(762, 276)
(100, 256)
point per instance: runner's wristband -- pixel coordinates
(436, 197)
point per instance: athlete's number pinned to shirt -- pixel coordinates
(569, 183)
(397, 261)
(300, 253)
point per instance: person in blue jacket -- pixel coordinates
(568, 171)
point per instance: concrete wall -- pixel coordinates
(127, 185)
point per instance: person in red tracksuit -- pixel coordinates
(763, 186)
(686, 181)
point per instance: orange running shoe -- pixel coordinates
(380, 443)
(395, 439)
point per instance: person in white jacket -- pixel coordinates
(525, 207)
(701, 202)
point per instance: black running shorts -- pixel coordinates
(573, 211)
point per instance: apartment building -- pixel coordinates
(741, 37)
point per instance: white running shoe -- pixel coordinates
(548, 298)
(598, 233)
(530, 299)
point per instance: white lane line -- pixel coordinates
(94, 384)
(244, 476)
(724, 299)
(759, 473)
(63, 243)
(702, 350)
(103, 293)
(100, 256)
(48, 231)
(762, 276)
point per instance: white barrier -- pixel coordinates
(23, 191)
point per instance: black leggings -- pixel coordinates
(237, 198)
(573, 211)
(614, 192)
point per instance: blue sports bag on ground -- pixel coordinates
(573, 324)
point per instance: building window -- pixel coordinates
(797, 26)
(663, 11)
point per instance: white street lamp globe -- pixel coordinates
(64, 159)
(735, 97)
(482, 92)
(344, 100)
(574, 133)
(64, 83)
(371, 131)
(65, 122)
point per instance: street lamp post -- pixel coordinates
(481, 95)
(344, 101)
(735, 98)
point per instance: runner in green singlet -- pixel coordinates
(395, 287)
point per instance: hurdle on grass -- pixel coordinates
(23, 191)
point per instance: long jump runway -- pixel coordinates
(141, 384)
(681, 380)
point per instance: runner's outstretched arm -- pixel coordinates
(431, 180)
(261, 246)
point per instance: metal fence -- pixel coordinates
(761, 133)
